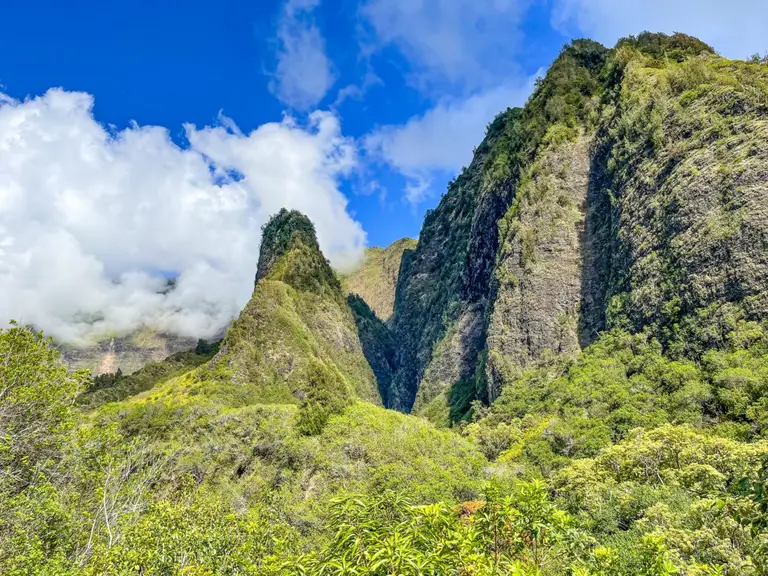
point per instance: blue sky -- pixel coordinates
(169, 63)
(180, 126)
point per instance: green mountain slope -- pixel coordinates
(447, 290)
(376, 279)
(628, 192)
(296, 341)
(655, 221)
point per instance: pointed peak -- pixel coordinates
(286, 230)
(290, 253)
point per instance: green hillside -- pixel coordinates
(375, 280)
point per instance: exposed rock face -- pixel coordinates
(450, 374)
(442, 292)
(538, 273)
(445, 292)
(296, 340)
(376, 278)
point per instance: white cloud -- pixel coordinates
(357, 91)
(462, 55)
(467, 43)
(442, 139)
(92, 222)
(304, 73)
(736, 29)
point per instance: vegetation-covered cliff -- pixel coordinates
(448, 286)
(629, 192)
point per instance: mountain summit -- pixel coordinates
(296, 340)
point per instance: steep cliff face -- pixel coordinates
(628, 192)
(377, 342)
(683, 161)
(538, 273)
(447, 288)
(296, 341)
(651, 215)
(376, 279)
(442, 290)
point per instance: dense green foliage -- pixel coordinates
(177, 479)
(567, 408)
(171, 483)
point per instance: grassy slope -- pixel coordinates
(376, 279)
(255, 454)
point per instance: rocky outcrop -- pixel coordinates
(538, 278)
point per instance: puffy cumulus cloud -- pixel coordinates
(736, 29)
(304, 73)
(467, 43)
(442, 139)
(93, 221)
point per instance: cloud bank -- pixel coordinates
(442, 139)
(94, 221)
